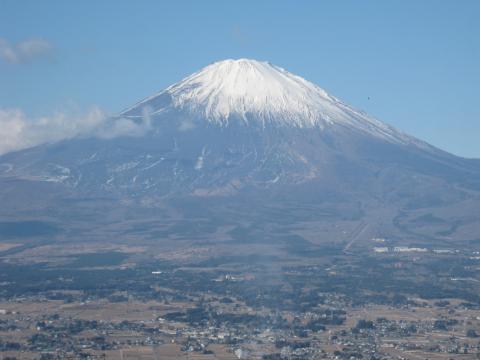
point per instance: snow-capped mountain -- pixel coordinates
(243, 135)
(258, 93)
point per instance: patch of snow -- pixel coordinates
(126, 166)
(200, 159)
(152, 165)
(275, 180)
(57, 179)
(91, 158)
(63, 169)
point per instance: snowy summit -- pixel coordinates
(252, 91)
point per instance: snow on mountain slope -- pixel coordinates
(252, 91)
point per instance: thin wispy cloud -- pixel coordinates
(25, 51)
(18, 131)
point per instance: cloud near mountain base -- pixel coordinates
(18, 131)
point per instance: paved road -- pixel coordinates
(355, 235)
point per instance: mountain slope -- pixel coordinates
(242, 137)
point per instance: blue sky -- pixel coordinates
(413, 64)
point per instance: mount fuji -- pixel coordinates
(246, 145)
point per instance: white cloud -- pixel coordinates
(17, 131)
(25, 51)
